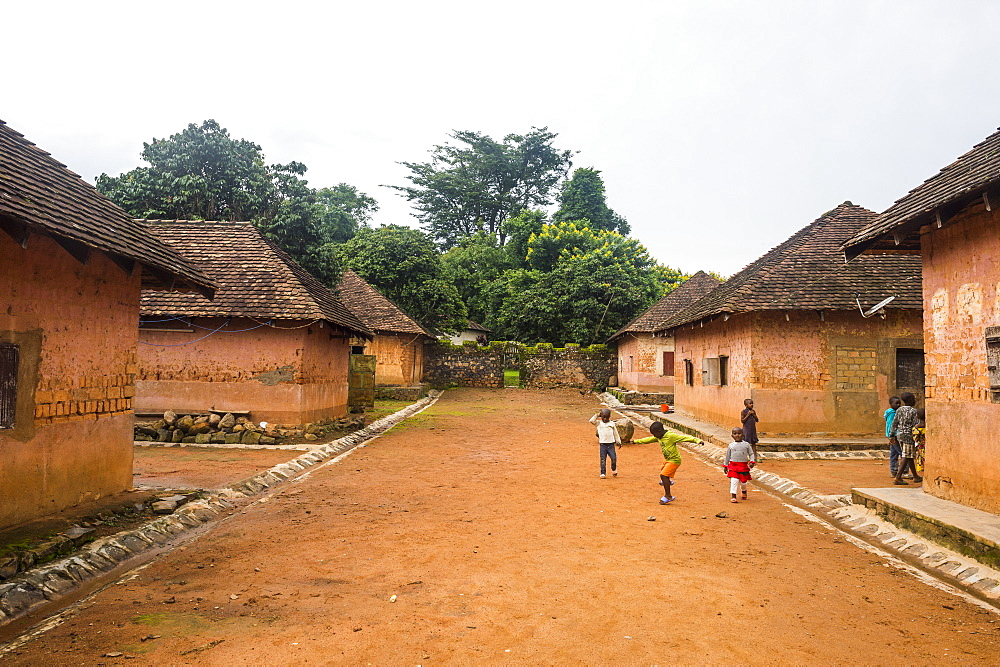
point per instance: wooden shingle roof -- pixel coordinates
(256, 278)
(475, 326)
(40, 195)
(966, 179)
(376, 311)
(807, 272)
(682, 296)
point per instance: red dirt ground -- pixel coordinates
(485, 517)
(202, 467)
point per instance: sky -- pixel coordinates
(720, 128)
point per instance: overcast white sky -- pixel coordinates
(720, 127)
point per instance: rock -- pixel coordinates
(8, 567)
(311, 436)
(214, 420)
(203, 438)
(652, 518)
(185, 423)
(145, 430)
(170, 418)
(228, 421)
(218, 438)
(173, 498)
(201, 420)
(145, 438)
(188, 439)
(250, 438)
(164, 507)
(242, 421)
(176, 435)
(266, 440)
(163, 435)
(626, 429)
(722, 515)
(160, 423)
(238, 428)
(314, 429)
(232, 438)
(139, 507)
(79, 535)
(199, 427)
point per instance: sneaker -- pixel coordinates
(666, 501)
(603, 475)
(907, 475)
(744, 495)
(901, 482)
(733, 500)
(614, 473)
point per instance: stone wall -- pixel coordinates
(546, 367)
(467, 365)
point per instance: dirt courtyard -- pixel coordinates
(479, 532)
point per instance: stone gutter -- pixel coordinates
(967, 574)
(32, 588)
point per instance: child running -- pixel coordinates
(607, 437)
(671, 456)
(740, 458)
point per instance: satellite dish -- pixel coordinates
(874, 309)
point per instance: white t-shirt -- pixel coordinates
(607, 432)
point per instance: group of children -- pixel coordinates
(741, 455)
(905, 427)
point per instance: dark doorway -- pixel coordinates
(910, 372)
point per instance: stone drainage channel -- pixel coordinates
(948, 570)
(60, 579)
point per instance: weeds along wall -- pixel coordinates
(541, 366)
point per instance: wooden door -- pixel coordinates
(361, 381)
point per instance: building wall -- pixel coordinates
(400, 359)
(292, 375)
(640, 363)
(75, 325)
(961, 283)
(805, 374)
(468, 334)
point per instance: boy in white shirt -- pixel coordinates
(608, 437)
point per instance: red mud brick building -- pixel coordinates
(398, 343)
(72, 267)
(787, 332)
(952, 222)
(646, 359)
(273, 341)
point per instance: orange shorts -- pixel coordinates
(669, 468)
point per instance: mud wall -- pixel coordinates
(399, 358)
(961, 283)
(640, 363)
(288, 375)
(75, 328)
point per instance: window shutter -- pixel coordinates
(668, 364)
(710, 371)
(8, 384)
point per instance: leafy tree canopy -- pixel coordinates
(475, 267)
(581, 287)
(404, 265)
(202, 173)
(582, 197)
(477, 184)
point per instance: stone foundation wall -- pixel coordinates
(546, 367)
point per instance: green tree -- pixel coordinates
(477, 184)
(581, 287)
(202, 173)
(475, 267)
(582, 197)
(404, 265)
(518, 230)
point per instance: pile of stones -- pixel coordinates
(205, 429)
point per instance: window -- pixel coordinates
(688, 372)
(357, 349)
(668, 364)
(710, 372)
(910, 371)
(723, 370)
(631, 363)
(9, 357)
(993, 361)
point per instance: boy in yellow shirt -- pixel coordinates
(671, 455)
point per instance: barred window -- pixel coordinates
(9, 357)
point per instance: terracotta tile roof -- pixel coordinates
(256, 278)
(473, 326)
(808, 272)
(967, 177)
(40, 195)
(376, 311)
(672, 303)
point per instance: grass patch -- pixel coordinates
(512, 378)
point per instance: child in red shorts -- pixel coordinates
(740, 458)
